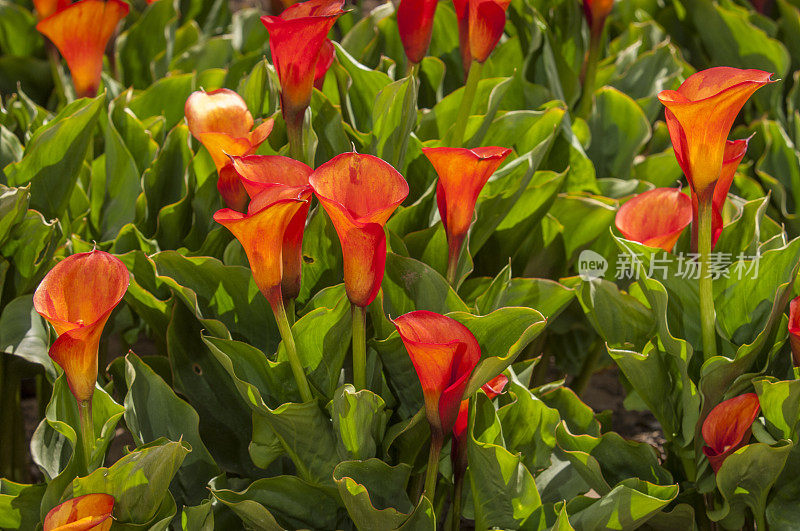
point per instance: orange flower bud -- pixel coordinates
(462, 175)
(221, 121)
(261, 232)
(655, 218)
(77, 296)
(81, 32)
(596, 12)
(794, 329)
(45, 8)
(359, 193)
(458, 453)
(727, 427)
(700, 115)
(296, 40)
(84, 513)
(444, 353)
(259, 173)
(415, 23)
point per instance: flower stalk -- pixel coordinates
(590, 74)
(707, 315)
(291, 351)
(432, 472)
(359, 347)
(87, 430)
(467, 102)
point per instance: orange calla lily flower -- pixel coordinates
(480, 26)
(296, 38)
(794, 329)
(655, 218)
(458, 453)
(415, 23)
(462, 175)
(324, 63)
(261, 232)
(45, 8)
(700, 115)
(81, 32)
(444, 353)
(221, 121)
(359, 193)
(77, 297)
(596, 12)
(84, 513)
(727, 427)
(260, 173)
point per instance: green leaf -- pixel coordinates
(394, 114)
(55, 154)
(322, 255)
(19, 505)
(502, 336)
(503, 489)
(780, 405)
(620, 130)
(528, 427)
(617, 316)
(198, 518)
(361, 85)
(745, 479)
(138, 482)
(165, 97)
(153, 410)
(18, 35)
(359, 422)
(24, 333)
(607, 460)
(548, 297)
(374, 493)
(138, 46)
(282, 503)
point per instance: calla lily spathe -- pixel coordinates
(481, 24)
(655, 218)
(91, 512)
(415, 23)
(81, 32)
(221, 121)
(262, 173)
(77, 297)
(700, 115)
(45, 8)
(359, 193)
(596, 12)
(794, 329)
(727, 427)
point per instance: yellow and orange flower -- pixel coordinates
(81, 32)
(77, 297)
(221, 121)
(359, 193)
(261, 173)
(655, 218)
(91, 512)
(596, 12)
(45, 8)
(480, 24)
(700, 115)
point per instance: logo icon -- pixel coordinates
(591, 265)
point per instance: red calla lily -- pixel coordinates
(77, 297)
(700, 115)
(84, 513)
(794, 329)
(359, 193)
(45, 8)
(462, 175)
(296, 39)
(81, 32)
(262, 231)
(480, 26)
(444, 353)
(655, 218)
(727, 427)
(458, 453)
(326, 57)
(596, 12)
(259, 173)
(221, 121)
(415, 23)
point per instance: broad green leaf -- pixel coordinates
(394, 115)
(24, 333)
(198, 518)
(164, 97)
(55, 154)
(322, 255)
(282, 502)
(19, 505)
(153, 410)
(528, 427)
(18, 35)
(617, 316)
(359, 422)
(139, 481)
(361, 85)
(139, 45)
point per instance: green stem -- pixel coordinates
(294, 131)
(291, 351)
(457, 489)
(589, 366)
(359, 347)
(590, 74)
(409, 107)
(87, 431)
(452, 264)
(707, 315)
(432, 473)
(288, 304)
(465, 110)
